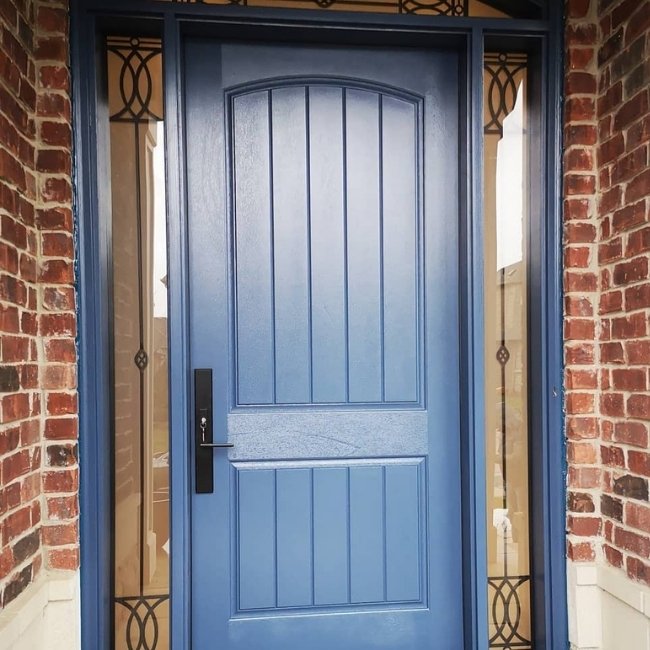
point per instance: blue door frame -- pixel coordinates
(542, 39)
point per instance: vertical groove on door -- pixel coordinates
(275, 534)
(346, 270)
(269, 111)
(348, 512)
(384, 525)
(309, 244)
(312, 536)
(382, 302)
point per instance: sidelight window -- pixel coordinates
(506, 349)
(139, 345)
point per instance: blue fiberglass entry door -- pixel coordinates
(323, 251)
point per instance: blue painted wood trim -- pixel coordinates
(93, 323)
(539, 250)
(473, 370)
(179, 356)
(557, 622)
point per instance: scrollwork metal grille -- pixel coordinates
(142, 627)
(431, 7)
(502, 72)
(506, 610)
(136, 85)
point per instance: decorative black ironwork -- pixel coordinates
(432, 7)
(449, 8)
(141, 359)
(503, 355)
(506, 612)
(503, 72)
(136, 84)
(142, 631)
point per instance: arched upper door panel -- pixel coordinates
(326, 202)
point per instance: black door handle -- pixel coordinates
(216, 445)
(204, 471)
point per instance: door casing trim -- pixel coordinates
(90, 20)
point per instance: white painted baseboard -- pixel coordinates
(45, 616)
(607, 610)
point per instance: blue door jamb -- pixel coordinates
(91, 219)
(90, 18)
(473, 343)
(179, 349)
(553, 631)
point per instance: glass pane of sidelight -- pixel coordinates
(140, 370)
(478, 8)
(506, 349)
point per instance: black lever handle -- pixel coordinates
(204, 470)
(216, 445)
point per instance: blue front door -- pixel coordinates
(323, 250)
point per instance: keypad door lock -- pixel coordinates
(203, 432)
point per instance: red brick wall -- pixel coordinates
(607, 259)
(38, 403)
